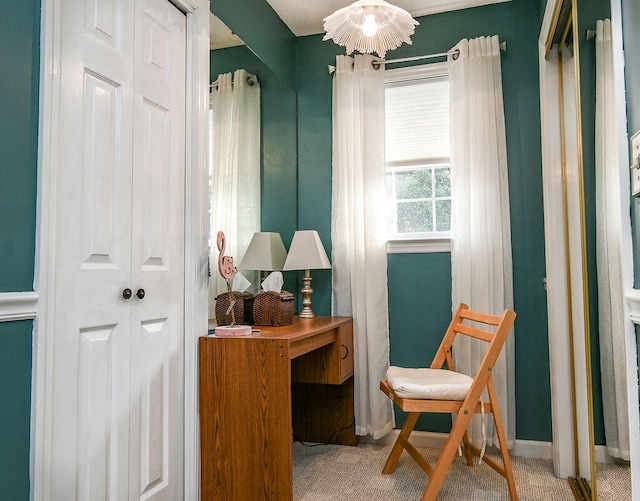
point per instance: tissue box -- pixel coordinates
(273, 308)
(243, 309)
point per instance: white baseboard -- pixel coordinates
(523, 448)
(602, 456)
(418, 438)
(532, 449)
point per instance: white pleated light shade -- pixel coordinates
(394, 27)
(306, 252)
(266, 252)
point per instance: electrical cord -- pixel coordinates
(329, 440)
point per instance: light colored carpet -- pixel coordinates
(334, 472)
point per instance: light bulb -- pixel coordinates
(369, 27)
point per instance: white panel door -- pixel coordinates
(157, 321)
(117, 372)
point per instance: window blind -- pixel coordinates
(417, 120)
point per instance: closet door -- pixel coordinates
(157, 320)
(116, 410)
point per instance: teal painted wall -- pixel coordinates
(19, 74)
(543, 5)
(314, 89)
(15, 410)
(19, 81)
(419, 314)
(260, 28)
(419, 285)
(278, 138)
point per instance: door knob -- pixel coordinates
(140, 293)
(127, 293)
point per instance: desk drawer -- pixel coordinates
(346, 351)
(329, 364)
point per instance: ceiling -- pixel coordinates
(304, 17)
(220, 36)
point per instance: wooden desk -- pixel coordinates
(258, 392)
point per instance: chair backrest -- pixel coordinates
(495, 335)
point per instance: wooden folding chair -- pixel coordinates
(444, 391)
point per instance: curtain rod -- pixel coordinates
(376, 63)
(455, 53)
(251, 80)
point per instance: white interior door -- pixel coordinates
(157, 320)
(117, 422)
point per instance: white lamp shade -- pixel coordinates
(306, 252)
(266, 252)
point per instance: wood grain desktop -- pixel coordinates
(259, 393)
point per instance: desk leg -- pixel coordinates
(324, 413)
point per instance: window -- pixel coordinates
(417, 159)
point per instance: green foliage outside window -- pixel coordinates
(421, 197)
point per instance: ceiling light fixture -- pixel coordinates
(370, 26)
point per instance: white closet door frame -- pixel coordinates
(196, 227)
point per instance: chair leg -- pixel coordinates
(502, 440)
(396, 452)
(467, 450)
(465, 441)
(447, 454)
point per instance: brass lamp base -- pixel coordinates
(306, 292)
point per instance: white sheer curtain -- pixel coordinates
(358, 232)
(234, 160)
(609, 220)
(480, 224)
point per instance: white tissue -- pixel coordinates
(240, 283)
(273, 282)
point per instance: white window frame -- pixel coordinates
(425, 243)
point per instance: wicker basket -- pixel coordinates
(243, 309)
(273, 308)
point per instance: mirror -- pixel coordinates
(574, 234)
(220, 36)
(278, 138)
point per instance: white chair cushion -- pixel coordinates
(430, 384)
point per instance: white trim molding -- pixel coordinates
(415, 246)
(196, 259)
(18, 306)
(633, 300)
(449, 5)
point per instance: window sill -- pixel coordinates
(415, 246)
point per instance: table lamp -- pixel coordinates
(306, 253)
(265, 252)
